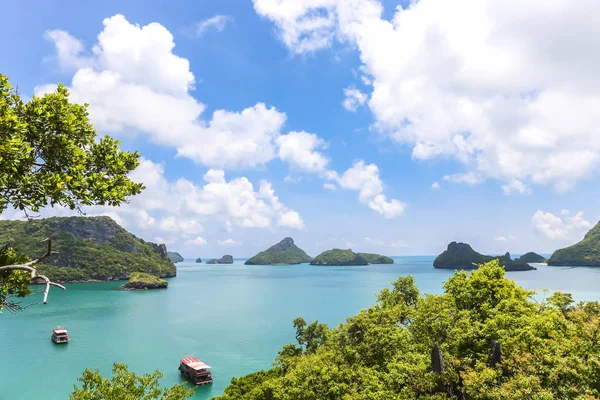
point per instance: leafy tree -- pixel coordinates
(50, 155)
(496, 342)
(126, 385)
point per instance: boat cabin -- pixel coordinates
(60, 335)
(195, 370)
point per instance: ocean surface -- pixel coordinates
(233, 317)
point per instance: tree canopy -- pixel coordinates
(126, 385)
(483, 338)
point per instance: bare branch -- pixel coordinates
(29, 268)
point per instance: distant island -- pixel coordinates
(143, 281)
(338, 257)
(373, 258)
(226, 259)
(531, 257)
(284, 252)
(585, 253)
(175, 257)
(462, 256)
(198, 260)
(89, 249)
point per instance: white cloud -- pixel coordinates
(365, 179)
(374, 241)
(508, 238)
(329, 186)
(508, 88)
(135, 84)
(560, 227)
(198, 241)
(228, 242)
(435, 185)
(470, 178)
(354, 98)
(218, 23)
(399, 244)
(299, 150)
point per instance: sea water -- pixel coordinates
(233, 317)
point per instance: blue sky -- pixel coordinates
(419, 119)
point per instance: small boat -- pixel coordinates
(195, 370)
(60, 335)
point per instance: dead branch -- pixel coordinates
(28, 266)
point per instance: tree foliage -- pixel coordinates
(13, 283)
(49, 155)
(549, 349)
(126, 385)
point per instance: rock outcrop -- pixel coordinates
(198, 260)
(283, 253)
(143, 281)
(462, 256)
(226, 259)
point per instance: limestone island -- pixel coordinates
(462, 256)
(226, 259)
(175, 257)
(88, 249)
(339, 257)
(282, 253)
(531, 257)
(198, 260)
(373, 258)
(583, 254)
(143, 281)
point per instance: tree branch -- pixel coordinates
(29, 267)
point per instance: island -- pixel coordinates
(462, 256)
(339, 257)
(585, 253)
(143, 281)
(198, 260)
(88, 249)
(531, 257)
(175, 257)
(373, 258)
(283, 253)
(226, 259)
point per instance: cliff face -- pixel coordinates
(89, 248)
(584, 253)
(462, 256)
(284, 252)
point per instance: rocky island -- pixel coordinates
(373, 258)
(339, 257)
(198, 260)
(282, 253)
(89, 248)
(585, 253)
(462, 256)
(226, 259)
(143, 281)
(531, 257)
(175, 257)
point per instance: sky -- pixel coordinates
(386, 126)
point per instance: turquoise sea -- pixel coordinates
(233, 317)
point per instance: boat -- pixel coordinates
(60, 335)
(195, 371)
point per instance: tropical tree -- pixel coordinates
(126, 385)
(50, 155)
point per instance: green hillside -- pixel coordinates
(339, 257)
(284, 252)
(584, 253)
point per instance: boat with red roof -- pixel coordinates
(60, 335)
(195, 370)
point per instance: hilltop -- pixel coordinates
(284, 252)
(531, 257)
(584, 253)
(89, 248)
(373, 258)
(462, 256)
(339, 257)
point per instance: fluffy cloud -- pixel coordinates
(135, 84)
(218, 23)
(228, 242)
(505, 238)
(354, 98)
(435, 186)
(198, 241)
(299, 150)
(508, 88)
(563, 226)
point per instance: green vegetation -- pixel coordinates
(175, 257)
(143, 281)
(49, 154)
(126, 385)
(531, 257)
(226, 259)
(284, 252)
(339, 257)
(89, 248)
(462, 256)
(584, 253)
(13, 283)
(547, 350)
(373, 258)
